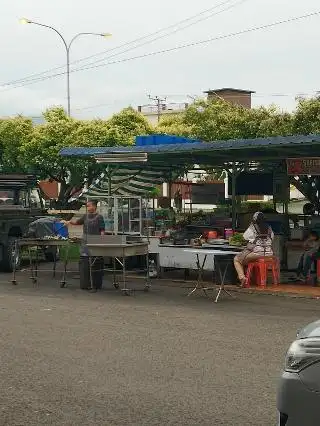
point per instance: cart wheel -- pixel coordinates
(116, 285)
(34, 280)
(14, 282)
(62, 285)
(126, 292)
(146, 289)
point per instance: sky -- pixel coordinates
(278, 63)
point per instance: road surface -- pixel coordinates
(73, 358)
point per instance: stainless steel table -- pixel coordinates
(119, 252)
(200, 268)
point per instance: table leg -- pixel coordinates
(91, 263)
(222, 279)
(114, 273)
(54, 263)
(65, 266)
(147, 284)
(125, 290)
(199, 283)
(35, 280)
(198, 277)
(14, 281)
(31, 264)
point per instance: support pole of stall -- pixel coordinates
(233, 195)
(109, 180)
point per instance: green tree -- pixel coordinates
(14, 132)
(40, 152)
(306, 120)
(220, 120)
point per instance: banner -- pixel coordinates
(303, 166)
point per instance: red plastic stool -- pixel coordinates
(261, 266)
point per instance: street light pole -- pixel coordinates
(67, 47)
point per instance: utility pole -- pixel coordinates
(158, 101)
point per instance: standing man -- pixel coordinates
(93, 224)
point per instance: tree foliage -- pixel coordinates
(220, 120)
(35, 148)
(14, 133)
(24, 147)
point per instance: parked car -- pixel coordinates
(298, 399)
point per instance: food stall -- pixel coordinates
(264, 157)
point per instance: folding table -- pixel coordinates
(200, 268)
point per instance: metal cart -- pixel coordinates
(119, 248)
(34, 261)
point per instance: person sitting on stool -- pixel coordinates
(260, 238)
(311, 252)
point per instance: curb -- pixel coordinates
(268, 292)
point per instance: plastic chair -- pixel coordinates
(261, 267)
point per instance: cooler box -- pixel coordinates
(231, 274)
(60, 229)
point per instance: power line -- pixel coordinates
(137, 40)
(171, 33)
(223, 3)
(172, 49)
(201, 42)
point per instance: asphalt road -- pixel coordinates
(73, 358)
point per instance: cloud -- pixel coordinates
(271, 61)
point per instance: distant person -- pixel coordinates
(172, 215)
(260, 238)
(311, 248)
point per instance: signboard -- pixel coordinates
(252, 183)
(303, 166)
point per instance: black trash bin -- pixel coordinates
(223, 262)
(97, 272)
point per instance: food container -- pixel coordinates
(212, 235)
(228, 232)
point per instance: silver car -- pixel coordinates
(299, 391)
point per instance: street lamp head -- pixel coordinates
(24, 21)
(106, 35)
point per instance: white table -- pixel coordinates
(201, 266)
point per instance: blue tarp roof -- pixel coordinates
(215, 153)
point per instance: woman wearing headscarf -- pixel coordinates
(260, 238)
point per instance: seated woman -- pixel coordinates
(260, 238)
(309, 255)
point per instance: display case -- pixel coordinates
(123, 215)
